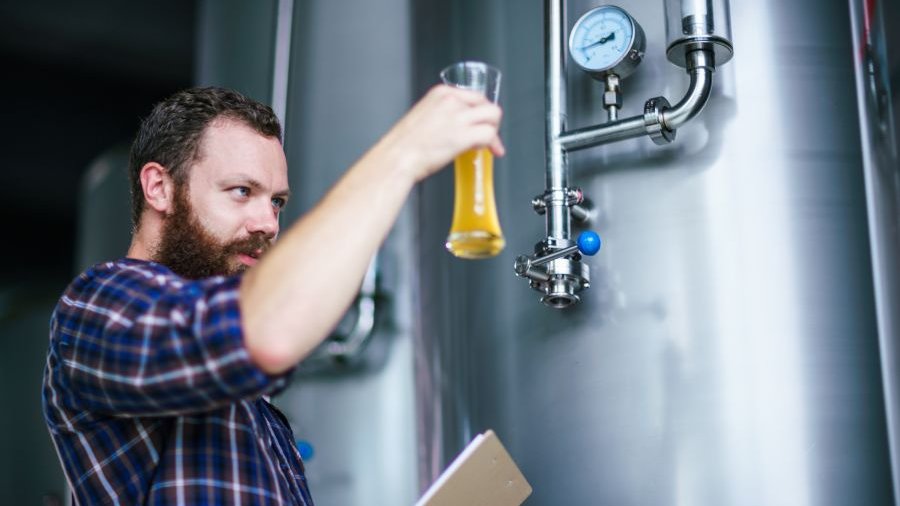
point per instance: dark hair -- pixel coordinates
(171, 134)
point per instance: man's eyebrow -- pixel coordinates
(245, 180)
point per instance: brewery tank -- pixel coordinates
(727, 351)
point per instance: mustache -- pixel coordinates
(250, 245)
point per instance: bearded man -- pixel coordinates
(160, 362)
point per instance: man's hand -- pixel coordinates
(444, 123)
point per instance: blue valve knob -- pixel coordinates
(589, 242)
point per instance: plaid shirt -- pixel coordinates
(151, 396)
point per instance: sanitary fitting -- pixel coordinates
(556, 269)
(653, 121)
(571, 197)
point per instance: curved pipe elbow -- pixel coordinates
(694, 100)
(700, 63)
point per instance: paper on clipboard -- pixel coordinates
(483, 474)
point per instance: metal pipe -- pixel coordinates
(700, 67)
(612, 113)
(557, 216)
(613, 131)
(281, 70)
(581, 213)
(662, 119)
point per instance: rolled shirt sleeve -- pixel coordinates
(138, 340)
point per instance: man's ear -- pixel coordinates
(159, 188)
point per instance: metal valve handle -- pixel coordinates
(588, 243)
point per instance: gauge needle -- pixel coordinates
(601, 40)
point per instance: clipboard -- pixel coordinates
(483, 474)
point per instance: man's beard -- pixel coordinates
(190, 251)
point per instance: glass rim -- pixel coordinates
(484, 67)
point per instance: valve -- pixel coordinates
(556, 269)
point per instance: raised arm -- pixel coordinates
(298, 292)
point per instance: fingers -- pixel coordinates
(497, 147)
(487, 113)
(483, 122)
(477, 121)
(482, 136)
(445, 123)
(468, 97)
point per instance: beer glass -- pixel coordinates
(475, 231)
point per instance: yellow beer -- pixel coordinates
(475, 232)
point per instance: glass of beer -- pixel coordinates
(475, 232)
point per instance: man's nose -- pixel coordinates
(264, 221)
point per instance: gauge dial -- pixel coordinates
(606, 40)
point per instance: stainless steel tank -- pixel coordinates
(727, 352)
(876, 50)
(347, 82)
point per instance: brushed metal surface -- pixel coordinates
(876, 51)
(727, 351)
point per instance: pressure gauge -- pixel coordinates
(607, 40)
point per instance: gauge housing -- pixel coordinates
(601, 26)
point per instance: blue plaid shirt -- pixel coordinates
(151, 396)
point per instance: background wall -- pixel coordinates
(77, 77)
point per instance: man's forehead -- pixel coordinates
(232, 150)
(228, 132)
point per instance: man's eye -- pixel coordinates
(240, 191)
(278, 202)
